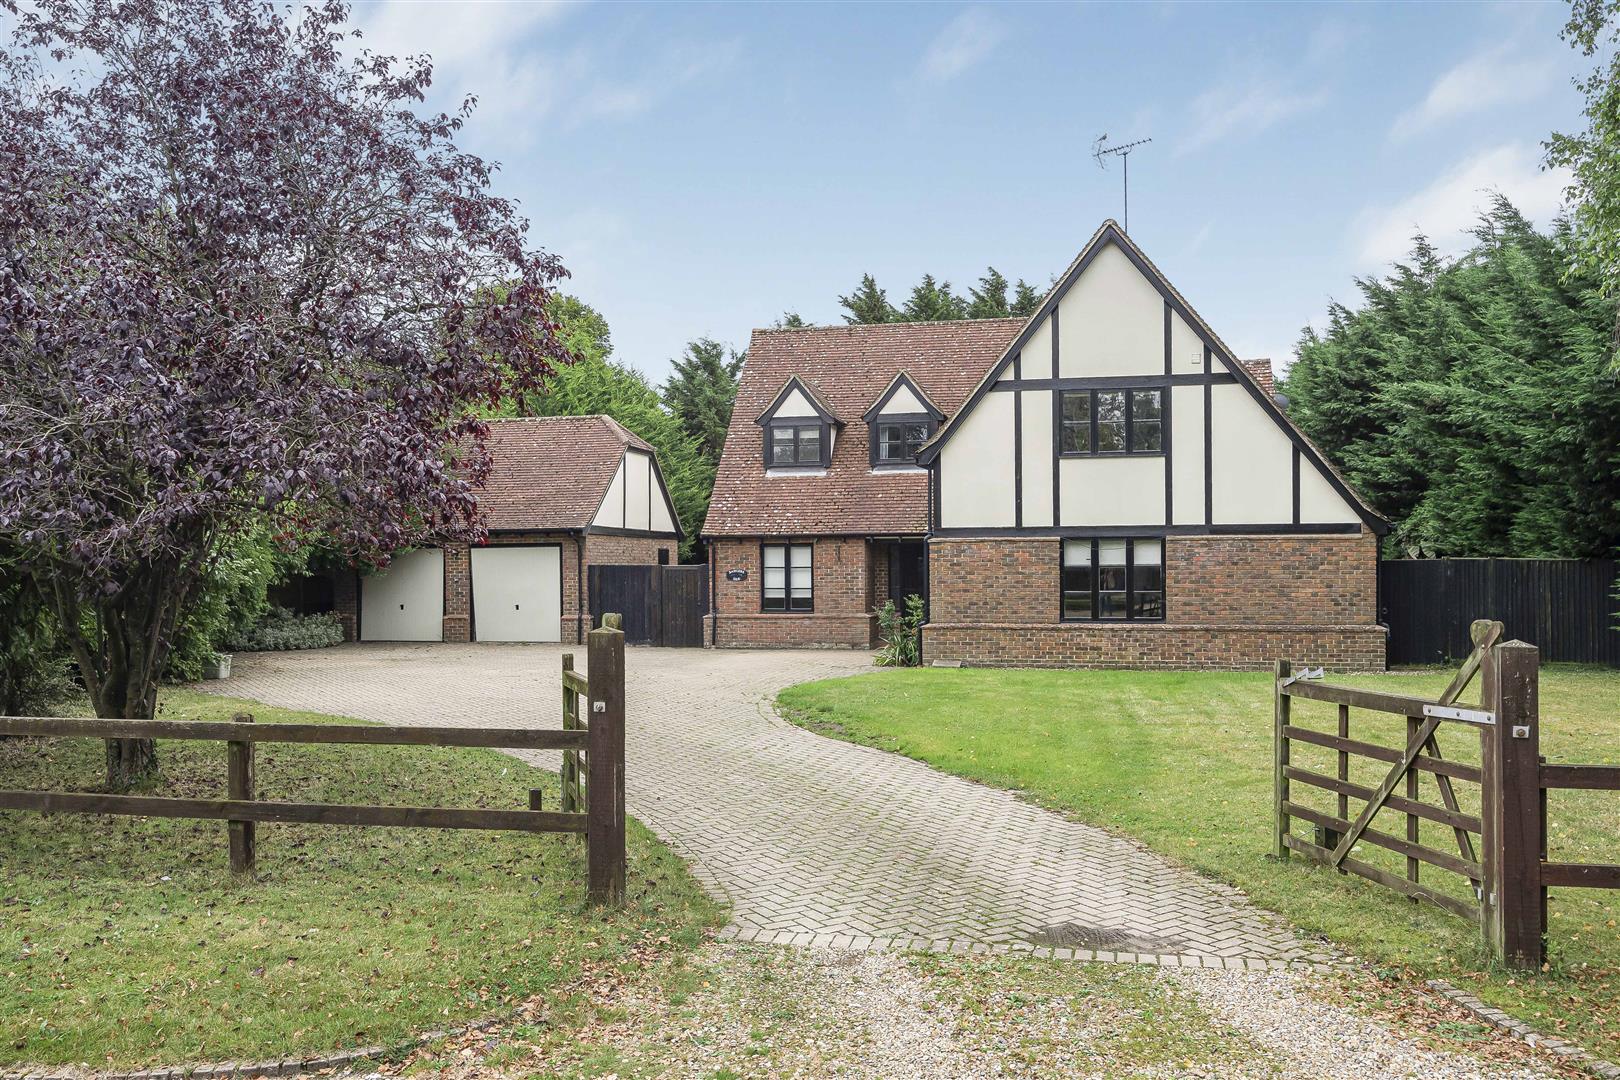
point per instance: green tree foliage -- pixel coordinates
(1594, 27)
(580, 327)
(868, 304)
(1472, 401)
(1025, 299)
(934, 302)
(33, 661)
(791, 320)
(989, 299)
(700, 393)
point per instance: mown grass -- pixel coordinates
(126, 941)
(1183, 761)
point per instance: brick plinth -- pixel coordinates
(1233, 602)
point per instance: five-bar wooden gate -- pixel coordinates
(1494, 813)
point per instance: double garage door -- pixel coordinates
(516, 595)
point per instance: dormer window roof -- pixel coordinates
(902, 420)
(800, 428)
(903, 397)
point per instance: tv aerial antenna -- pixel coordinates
(1101, 152)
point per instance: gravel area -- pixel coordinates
(1306, 1036)
(757, 1011)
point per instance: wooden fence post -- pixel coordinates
(240, 787)
(570, 758)
(1280, 710)
(604, 790)
(1515, 901)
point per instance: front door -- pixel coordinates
(908, 572)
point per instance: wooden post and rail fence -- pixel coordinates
(1508, 869)
(592, 803)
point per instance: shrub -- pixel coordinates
(35, 671)
(900, 633)
(280, 630)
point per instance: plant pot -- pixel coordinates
(219, 667)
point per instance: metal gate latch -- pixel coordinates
(598, 706)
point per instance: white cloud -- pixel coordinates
(964, 42)
(462, 36)
(1486, 80)
(1446, 209)
(521, 75)
(1242, 109)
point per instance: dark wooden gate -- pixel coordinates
(661, 605)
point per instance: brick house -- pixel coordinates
(1101, 484)
(564, 493)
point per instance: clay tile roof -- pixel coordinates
(848, 368)
(552, 472)
(1261, 370)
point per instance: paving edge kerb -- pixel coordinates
(290, 1067)
(1563, 1049)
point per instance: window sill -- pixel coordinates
(907, 467)
(1066, 454)
(796, 470)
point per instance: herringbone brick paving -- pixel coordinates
(811, 840)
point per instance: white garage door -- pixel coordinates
(406, 601)
(517, 593)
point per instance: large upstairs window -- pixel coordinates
(1102, 422)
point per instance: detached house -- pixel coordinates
(1103, 483)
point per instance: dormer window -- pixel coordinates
(897, 441)
(792, 443)
(798, 429)
(901, 421)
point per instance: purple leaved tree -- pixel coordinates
(242, 284)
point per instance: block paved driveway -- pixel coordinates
(811, 840)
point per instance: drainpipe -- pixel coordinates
(580, 607)
(714, 596)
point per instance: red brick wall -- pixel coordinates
(1231, 602)
(840, 582)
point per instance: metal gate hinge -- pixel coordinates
(1467, 716)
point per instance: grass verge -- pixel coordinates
(1183, 762)
(126, 941)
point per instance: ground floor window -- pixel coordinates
(785, 583)
(1113, 579)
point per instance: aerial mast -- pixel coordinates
(1100, 153)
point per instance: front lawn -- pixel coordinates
(1183, 761)
(125, 941)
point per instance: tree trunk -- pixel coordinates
(128, 760)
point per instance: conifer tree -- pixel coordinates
(1025, 299)
(868, 304)
(989, 299)
(701, 391)
(934, 302)
(1472, 401)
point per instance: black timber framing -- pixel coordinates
(1110, 233)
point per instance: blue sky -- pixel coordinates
(703, 168)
